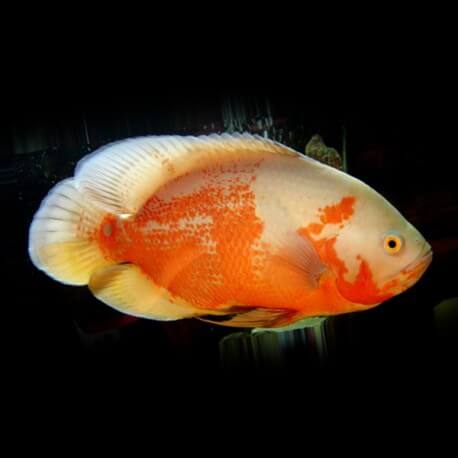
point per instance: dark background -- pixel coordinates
(400, 139)
(389, 73)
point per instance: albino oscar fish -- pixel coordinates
(237, 230)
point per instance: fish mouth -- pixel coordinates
(414, 270)
(423, 259)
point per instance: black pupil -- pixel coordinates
(392, 244)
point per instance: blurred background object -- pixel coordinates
(316, 149)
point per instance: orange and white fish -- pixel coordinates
(233, 229)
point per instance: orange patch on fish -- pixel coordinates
(361, 291)
(338, 213)
(333, 214)
(201, 246)
(233, 221)
(315, 228)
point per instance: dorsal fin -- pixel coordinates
(122, 176)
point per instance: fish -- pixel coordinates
(233, 229)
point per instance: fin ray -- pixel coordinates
(61, 236)
(122, 176)
(252, 318)
(126, 288)
(295, 253)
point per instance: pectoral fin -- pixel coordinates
(296, 254)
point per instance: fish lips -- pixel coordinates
(414, 271)
(410, 274)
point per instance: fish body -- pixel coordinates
(237, 230)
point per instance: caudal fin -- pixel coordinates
(62, 236)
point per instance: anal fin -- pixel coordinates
(311, 322)
(251, 318)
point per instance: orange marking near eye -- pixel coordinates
(335, 214)
(363, 290)
(315, 228)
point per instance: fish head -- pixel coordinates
(380, 253)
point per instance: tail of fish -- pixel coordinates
(62, 235)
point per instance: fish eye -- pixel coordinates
(392, 243)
